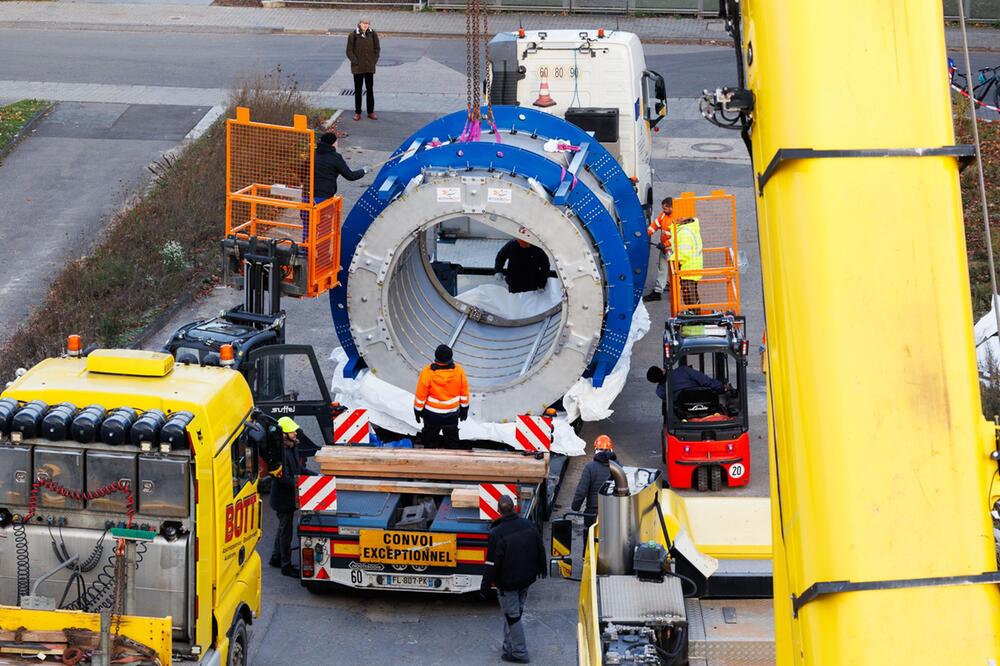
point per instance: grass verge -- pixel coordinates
(163, 246)
(14, 118)
(975, 235)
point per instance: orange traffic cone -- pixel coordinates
(544, 100)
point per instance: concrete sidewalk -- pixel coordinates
(209, 19)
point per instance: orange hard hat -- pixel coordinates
(603, 443)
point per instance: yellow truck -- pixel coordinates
(128, 494)
(669, 580)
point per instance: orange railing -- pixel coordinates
(715, 287)
(269, 177)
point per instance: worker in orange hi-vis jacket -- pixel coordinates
(662, 223)
(441, 400)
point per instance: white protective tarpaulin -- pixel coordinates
(987, 342)
(495, 299)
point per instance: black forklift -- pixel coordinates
(285, 380)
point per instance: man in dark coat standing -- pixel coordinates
(595, 475)
(284, 487)
(363, 50)
(515, 557)
(525, 267)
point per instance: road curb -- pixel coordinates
(28, 126)
(147, 332)
(279, 30)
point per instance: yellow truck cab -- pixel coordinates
(91, 446)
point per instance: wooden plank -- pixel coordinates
(465, 498)
(32, 649)
(433, 464)
(7, 635)
(405, 487)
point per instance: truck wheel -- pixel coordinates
(238, 644)
(701, 479)
(715, 479)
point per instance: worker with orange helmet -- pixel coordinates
(662, 224)
(595, 474)
(441, 400)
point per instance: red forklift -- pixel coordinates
(703, 386)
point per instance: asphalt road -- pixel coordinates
(199, 61)
(63, 183)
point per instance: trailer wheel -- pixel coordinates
(715, 478)
(701, 479)
(315, 588)
(238, 644)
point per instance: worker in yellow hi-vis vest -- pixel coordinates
(688, 248)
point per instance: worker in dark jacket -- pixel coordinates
(684, 377)
(284, 486)
(363, 50)
(524, 266)
(515, 557)
(595, 475)
(330, 164)
(327, 167)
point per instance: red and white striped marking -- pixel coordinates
(317, 493)
(490, 494)
(352, 427)
(534, 433)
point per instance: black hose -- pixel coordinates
(680, 638)
(97, 595)
(23, 561)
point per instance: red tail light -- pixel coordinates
(308, 563)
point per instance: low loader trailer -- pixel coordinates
(412, 519)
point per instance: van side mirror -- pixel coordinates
(561, 532)
(654, 91)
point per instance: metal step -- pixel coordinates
(730, 632)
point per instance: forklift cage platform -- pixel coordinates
(269, 196)
(717, 283)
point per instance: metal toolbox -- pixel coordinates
(15, 474)
(63, 466)
(164, 486)
(104, 468)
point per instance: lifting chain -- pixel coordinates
(121, 582)
(476, 69)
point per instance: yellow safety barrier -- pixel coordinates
(153, 633)
(715, 287)
(269, 181)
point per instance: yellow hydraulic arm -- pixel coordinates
(880, 457)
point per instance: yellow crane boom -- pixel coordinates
(880, 457)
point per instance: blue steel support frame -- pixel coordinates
(620, 239)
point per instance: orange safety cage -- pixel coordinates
(269, 195)
(716, 286)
